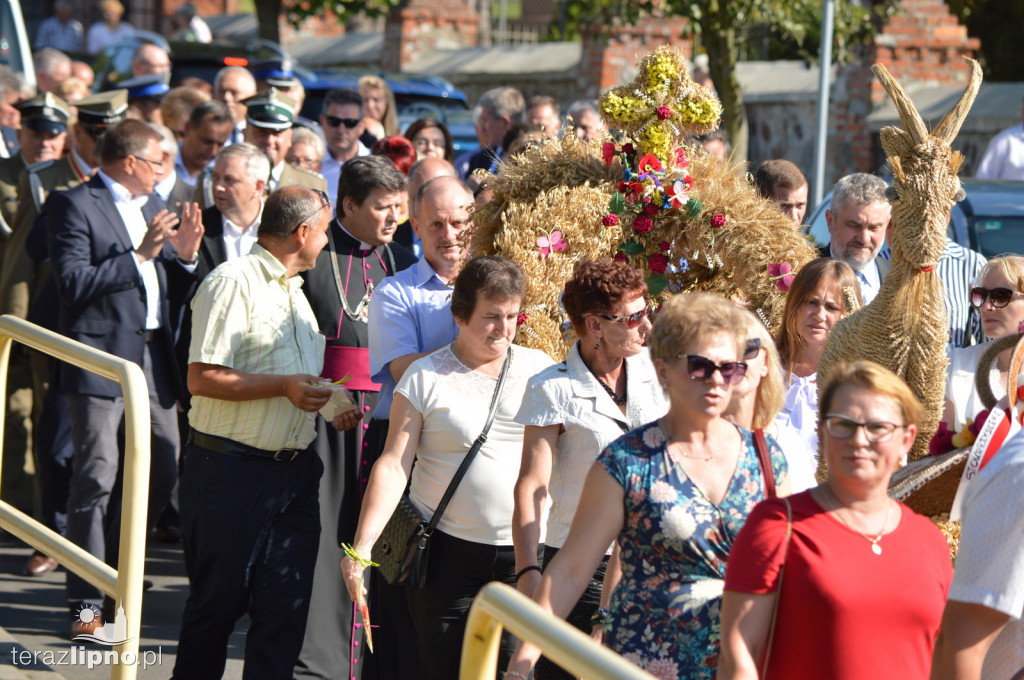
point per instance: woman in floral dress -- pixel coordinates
(673, 494)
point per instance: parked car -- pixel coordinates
(15, 52)
(990, 219)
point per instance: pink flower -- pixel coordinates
(717, 221)
(553, 244)
(664, 113)
(680, 158)
(521, 319)
(657, 263)
(665, 246)
(610, 220)
(650, 210)
(608, 151)
(677, 191)
(642, 224)
(620, 257)
(781, 274)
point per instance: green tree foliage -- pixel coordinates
(268, 12)
(996, 23)
(722, 28)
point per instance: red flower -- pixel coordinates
(664, 113)
(665, 246)
(680, 158)
(651, 209)
(623, 187)
(649, 163)
(627, 148)
(633, 191)
(620, 257)
(979, 422)
(608, 151)
(942, 440)
(717, 221)
(657, 263)
(642, 224)
(610, 220)
(781, 274)
(521, 319)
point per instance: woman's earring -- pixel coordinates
(597, 345)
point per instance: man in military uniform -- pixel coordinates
(22, 284)
(145, 94)
(44, 121)
(268, 127)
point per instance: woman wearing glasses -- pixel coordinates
(999, 299)
(673, 494)
(814, 304)
(865, 578)
(573, 410)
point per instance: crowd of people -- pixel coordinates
(653, 488)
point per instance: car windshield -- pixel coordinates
(996, 235)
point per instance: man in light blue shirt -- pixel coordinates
(858, 224)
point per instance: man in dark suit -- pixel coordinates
(171, 189)
(119, 264)
(858, 224)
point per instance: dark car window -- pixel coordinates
(993, 236)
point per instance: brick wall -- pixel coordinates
(924, 44)
(610, 60)
(420, 25)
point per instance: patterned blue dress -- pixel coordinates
(674, 546)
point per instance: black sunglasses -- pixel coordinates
(631, 321)
(752, 348)
(1000, 297)
(325, 202)
(334, 121)
(702, 368)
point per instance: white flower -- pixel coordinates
(678, 523)
(663, 492)
(663, 669)
(653, 438)
(707, 589)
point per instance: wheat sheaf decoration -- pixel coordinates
(648, 197)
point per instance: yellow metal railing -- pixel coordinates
(124, 584)
(499, 606)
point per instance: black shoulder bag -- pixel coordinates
(404, 544)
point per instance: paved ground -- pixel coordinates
(34, 618)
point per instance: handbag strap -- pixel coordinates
(778, 590)
(464, 467)
(766, 463)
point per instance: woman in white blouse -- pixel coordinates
(440, 407)
(573, 410)
(814, 304)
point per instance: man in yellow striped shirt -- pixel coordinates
(248, 491)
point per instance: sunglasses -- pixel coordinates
(1000, 297)
(752, 348)
(631, 321)
(842, 427)
(333, 121)
(325, 202)
(702, 368)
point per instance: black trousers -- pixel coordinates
(456, 571)
(251, 530)
(579, 617)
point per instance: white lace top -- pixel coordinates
(454, 401)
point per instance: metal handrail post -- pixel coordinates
(125, 584)
(498, 605)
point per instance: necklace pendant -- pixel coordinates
(875, 548)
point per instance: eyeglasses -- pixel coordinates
(842, 427)
(308, 163)
(752, 348)
(702, 368)
(631, 321)
(1000, 297)
(157, 165)
(333, 121)
(325, 202)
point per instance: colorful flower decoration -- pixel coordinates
(782, 274)
(522, 318)
(551, 244)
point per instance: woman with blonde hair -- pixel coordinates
(998, 295)
(672, 494)
(817, 584)
(378, 106)
(757, 398)
(814, 303)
